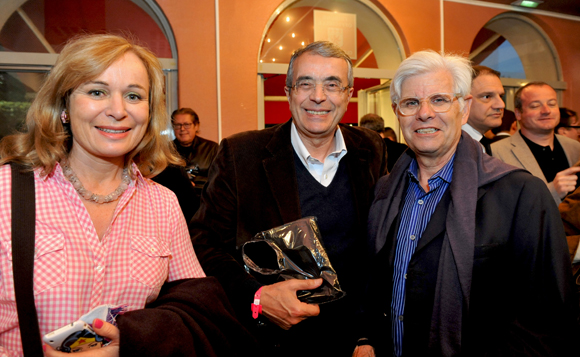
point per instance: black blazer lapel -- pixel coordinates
(359, 173)
(281, 174)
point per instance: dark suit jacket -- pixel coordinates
(198, 157)
(252, 187)
(394, 151)
(513, 293)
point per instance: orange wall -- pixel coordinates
(193, 24)
(241, 28)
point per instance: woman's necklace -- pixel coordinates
(88, 195)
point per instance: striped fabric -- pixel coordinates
(146, 244)
(417, 211)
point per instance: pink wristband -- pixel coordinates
(256, 307)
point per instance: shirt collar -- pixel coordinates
(445, 173)
(302, 151)
(476, 135)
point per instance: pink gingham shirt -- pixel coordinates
(146, 244)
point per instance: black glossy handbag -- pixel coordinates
(293, 251)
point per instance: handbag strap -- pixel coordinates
(23, 224)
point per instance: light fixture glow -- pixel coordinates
(261, 61)
(273, 60)
(302, 43)
(293, 35)
(287, 18)
(280, 47)
(268, 40)
(527, 3)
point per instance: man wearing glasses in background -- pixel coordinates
(197, 152)
(469, 254)
(536, 147)
(308, 166)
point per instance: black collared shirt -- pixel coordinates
(551, 161)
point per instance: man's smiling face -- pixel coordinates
(317, 114)
(431, 134)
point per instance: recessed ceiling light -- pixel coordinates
(287, 18)
(527, 3)
(293, 35)
(280, 47)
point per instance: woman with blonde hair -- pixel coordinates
(104, 233)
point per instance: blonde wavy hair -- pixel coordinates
(46, 141)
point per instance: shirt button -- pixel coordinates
(99, 268)
(153, 250)
(420, 202)
(400, 317)
(412, 237)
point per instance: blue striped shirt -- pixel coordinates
(417, 211)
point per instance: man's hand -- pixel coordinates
(364, 351)
(281, 306)
(565, 181)
(102, 328)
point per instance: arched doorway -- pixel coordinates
(517, 47)
(32, 32)
(376, 51)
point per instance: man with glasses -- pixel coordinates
(308, 166)
(197, 152)
(468, 253)
(486, 105)
(536, 147)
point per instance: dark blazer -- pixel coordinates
(394, 151)
(198, 157)
(509, 291)
(252, 187)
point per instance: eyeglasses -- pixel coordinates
(306, 86)
(438, 102)
(179, 126)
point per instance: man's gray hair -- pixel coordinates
(324, 49)
(424, 62)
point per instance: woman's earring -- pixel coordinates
(64, 116)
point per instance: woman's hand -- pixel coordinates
(102, 328)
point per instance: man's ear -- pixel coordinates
(287, 91)
(518, 114)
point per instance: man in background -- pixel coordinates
(197, 152)
(376, 123)
(487, 105)
(536, 147)
(507, 128)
